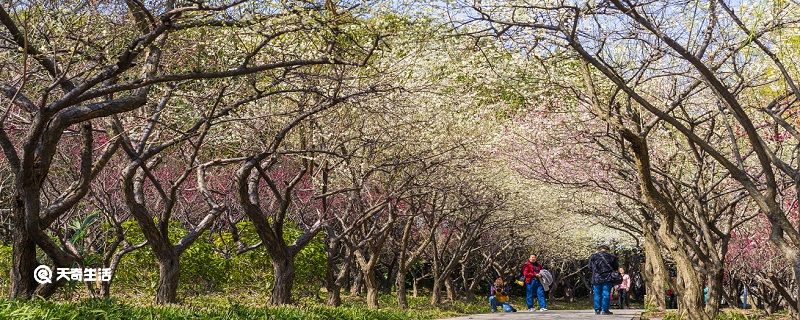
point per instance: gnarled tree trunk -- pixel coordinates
(690, 290)
(415, 288)
(168, 276)
(283, 279)
(373, 287)
(355, 286)
(23, 256)
(795, 308)
(714, 285)
(691, 293)
(655, 273)
(334, 297)
(436, 292)
(400, 282)
(451, 292)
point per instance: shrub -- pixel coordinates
(5, 265)
(202, 268)
(672, 316)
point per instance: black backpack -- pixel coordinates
(613, 276)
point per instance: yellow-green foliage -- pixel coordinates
(224, 306)
(204, 267)
(5, 264)
(112, 310)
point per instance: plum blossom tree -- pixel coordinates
(59, 83)
(690, 79)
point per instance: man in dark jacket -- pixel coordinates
(602, 265)
(533, 283)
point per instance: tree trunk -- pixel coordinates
(796, 270)
(714, 284)
(690, 291)
(415, 286)
(469, 295)
(355, 287)
(23, 260)
(283, 280)
(436, 292)
(339, 282)
(568, 293)
(105, 289)
(372, 288)
(334, 298)
(401, 289)
(451, 292)
(23, 252)
(168, 279)
(391, 274)
(655, 273)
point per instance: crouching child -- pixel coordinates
(498, 296)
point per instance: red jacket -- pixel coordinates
(531, 270)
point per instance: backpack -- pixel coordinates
(502, 298)
(613, 276)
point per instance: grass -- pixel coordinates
(725, 314)
(110, 309)
(253, 306)
(221, 306)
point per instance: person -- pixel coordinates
(498, 295)
(612, 298)
(533, 283)
(672, 297)
(638, 287)
(743, 297)
(672, 301)
(623, 291)
(602, 264)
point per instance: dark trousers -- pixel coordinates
(623, 298)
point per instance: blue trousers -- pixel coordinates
(534, 287)
(493, 303)
(602, 296)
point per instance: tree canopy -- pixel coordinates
(308, 147)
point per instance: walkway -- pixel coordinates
(626, 314)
